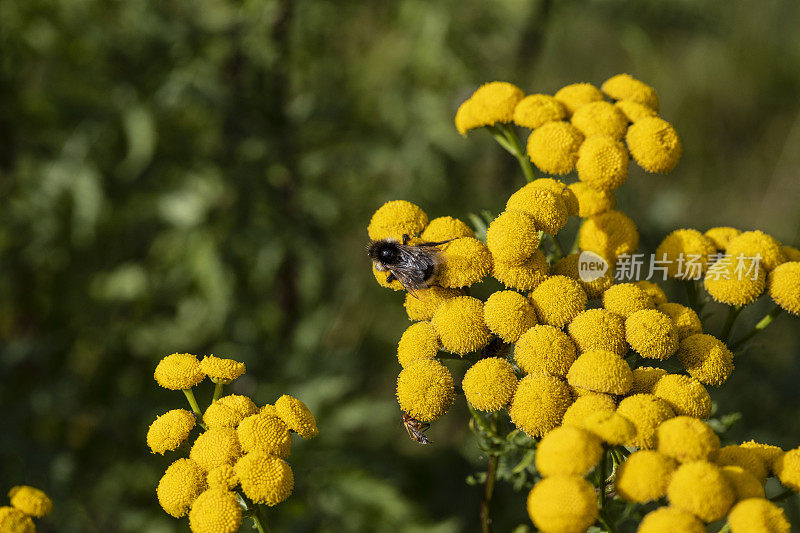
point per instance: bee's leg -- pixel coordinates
(405, 238)
(435, 243)
(391, 277)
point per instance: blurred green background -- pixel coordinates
(197, 176)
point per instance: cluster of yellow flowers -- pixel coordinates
(238, 460)
(27, 503)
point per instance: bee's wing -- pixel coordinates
(414, 263)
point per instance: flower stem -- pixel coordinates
(488, 491)
(733, 313)
(607, 522)
(258, 521)
(519, 153)
(557, 245)
(762, 324)
(725, 529)
(195, 408)
(217, 391)
(501, 140)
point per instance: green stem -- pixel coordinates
(603, 476)
(501, 140)
(519, 153)
(557, 245)
(762, 324)
(488, 491)
(607, 522)
(195, 408)
(733, 313)
(725, 529)
(575, 243)
(217, 391)
(258, 521)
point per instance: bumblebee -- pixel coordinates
(413, 265)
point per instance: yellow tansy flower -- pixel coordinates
(700, 488)
(178, 371)
(557, 300)
(578, 94)
(784, 287)
(537, 109)
(600, 118)
(221, 370)
(545, 349)
(523, 277)
(240, 403)
(602, 163)
(419, 341)
(655, 292)
(744, 484)
(265, 478)
(547, 209)
(562, 504)
(568, 451)
(651, 333)
(721, 236)
(706, 359)
(216, 511)
(394, 219)
(508, 315)
(586, 405)
(215, 447)
(654, 144)
(465, 118)
(758, 515)
(598, 329)
(559, 188)
(553, 147)
(747, 458)
(422, 304)
(610, 427)
(626, 87)
(625, 299)
(738, 281)
(460, 325)
(670, 520)
(791, 253)
(684, 319)
(753, 243)
(787, 468)
(445, 228)
(512, 237)
(219, 415)
(568, 266)
(609, 235)
(647, 412)
(180, 485)
(15, 521)
(494, 102)
(465, 261)
(685, 395)
(766, 452)
(425, 390)
(264, 433)
(222, 477)
(30, 500)
(601, 371)
(297, 416)
(539, 403)
(645, 378)
(687, 253)
(644, 476)
(634, 110)
(592, 201)
(686, 439)
(169, 430)
(489, 384)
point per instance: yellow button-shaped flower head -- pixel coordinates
(216, 511)
(722, 235)
(700, 488)
(684, 318)
(687, 253)
(240, 403)
(577, 95)
(753, 243)
(559, 188)
(445, 228)
(265, 478)
(558, 300)
(586, 405)
(180, 486)
(264, 433)
(568, 266)
(419, 341)
(647, 412)
(706, 359)
(626, 87)
(609, 235)
(670, 520)
(787, 468)
(169, 430)
(625, 299)
(747, 458)
(489, 384)
(791, 253)
(601, 371)
(465, 118)
(425, 390)
(744, 484)
(545, 349)
(465, 261)
(460, 325)
(598, 329)
(221, 370)
(651, 333)
(645, 378)
(297, 416)
(547, 209)
(216, 447)
(523, 277)
(634, 110)
(394, 219)
(568, 451)
(735, 281)
(512, 237)
(562, 504)
(219, 415)
(784, 286)
(15, 521)
(537, 109)
(644, 476)
(758, 515)
(222, 477)
(508, 315)
(602, 163)
(685, 395)
(592, 201)
(553, 147)
(494, 102)
(766, 452)
(179, 371)
(539, 403)
(30, 500)
(655, 292)
(654, 144)
(686, 439)
(600, 118)
(610, 427)
(422, 304)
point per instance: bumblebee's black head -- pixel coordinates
(386, 252)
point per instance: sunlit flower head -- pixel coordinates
(592, 201)
(222, 477)
(602, 163)
(684, 319)
(489, 384)
(651, 333)
(508, 315)
(626, 87)
(687, 253)
(645, 378)
(670, 520)
(655, 292)
(553, 147)
(30, 500)
(654, 144)
(562, 504)
(598, 329)
(600, 118)
(644, 476)
(559, 188)
(522, 277)
(685, 395)
(465, 261)
(179, 371)
(460, 325)
(394, 219)
(537, 109)
(686, 439)
(578, 94)
(706, 359)
(445, 228)
(221, 370)
(766, 452)
(783, 286)
(744, 484)
(265, 478)
(419, 341)
(215, 447)
(609, 235)
(757, 514)
(216, 511)
(425, 390)
(169, 430)
(491, 103)
(568, 451)
(624, 299)
(647, 412)
(558, 300)
(265, 433)
(757, 243)
(219, 415)
(15, 521)
(746, 458)
(539, 403)
(297, 416)
(610, 427)
(465, 118)
(586, 405)
(721, 236)
(512, 237)
(601, 371)
(422, 304)
(634, 110)
(546, 208)
(240, 403)
(180, 486)
(787, 467)
(700, 488)
(737, 281)
(568, 266)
